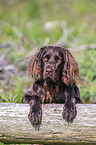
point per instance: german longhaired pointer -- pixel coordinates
(54, 71)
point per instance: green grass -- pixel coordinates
(1, 143)
(87, 64)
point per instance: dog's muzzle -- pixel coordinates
(49, 70)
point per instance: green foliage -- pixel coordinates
(18, 88)
(87, 64)
(9, 99)
(1, 143)
(16, 92)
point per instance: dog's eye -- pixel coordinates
(57, 59)
(47, 57)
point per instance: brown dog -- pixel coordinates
(54, 71)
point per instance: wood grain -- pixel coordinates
(16, 128)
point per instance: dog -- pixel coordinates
(55, 72)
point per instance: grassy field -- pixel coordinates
(27, 25)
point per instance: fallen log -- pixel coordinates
(16, 128)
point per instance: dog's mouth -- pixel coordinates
(51, 77)
(49, 74)
(48, 79)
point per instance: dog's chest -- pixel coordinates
(51, 93)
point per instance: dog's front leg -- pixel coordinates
(33, 97)
(69, 109)
(35, 114)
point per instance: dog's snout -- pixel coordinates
(49, 70)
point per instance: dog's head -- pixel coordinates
(54, 63)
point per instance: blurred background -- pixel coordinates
(26, 25)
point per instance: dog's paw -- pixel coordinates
(35, 117)
(69, 113)
(35, 114)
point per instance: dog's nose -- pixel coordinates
(49, 70)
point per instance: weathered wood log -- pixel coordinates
(16, 128)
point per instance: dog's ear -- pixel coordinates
(35, 65)
(71, 70)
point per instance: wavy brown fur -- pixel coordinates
(70, 71)
(54, 71)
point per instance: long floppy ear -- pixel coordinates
(71, 70)
(35, 65)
